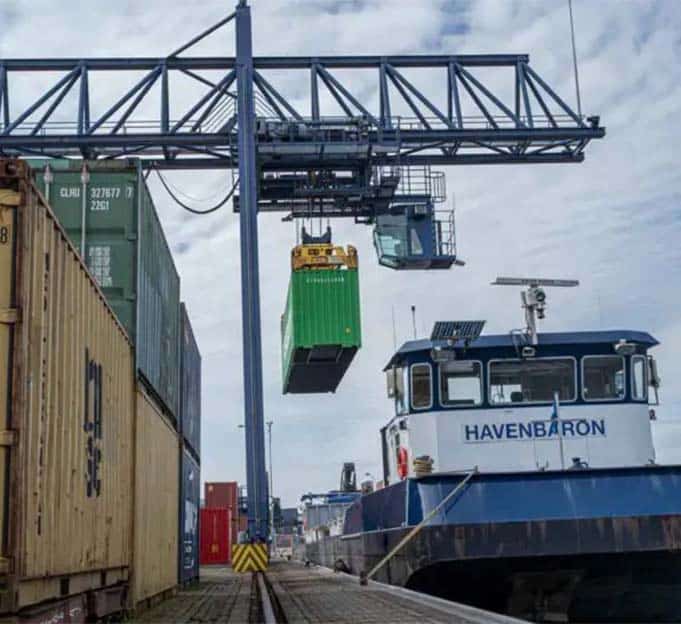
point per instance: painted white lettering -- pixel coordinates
(69, 192)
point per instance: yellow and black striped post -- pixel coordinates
(250, 557)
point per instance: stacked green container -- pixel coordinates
(127, 253)
(321, 329)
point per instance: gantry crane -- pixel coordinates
(349, 163)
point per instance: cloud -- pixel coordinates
(614, 221)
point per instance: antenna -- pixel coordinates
(394, 329)
(534, 298)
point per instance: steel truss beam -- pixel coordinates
(461, 120)
(473, 124)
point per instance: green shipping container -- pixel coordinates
(127, 253)
(320, 329)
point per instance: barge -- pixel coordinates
(522, 468)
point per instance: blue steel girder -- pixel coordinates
(461, 119)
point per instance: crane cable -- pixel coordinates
(574, 60)
(219, 205)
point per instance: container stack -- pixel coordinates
(103, 527)
(107, 212)
(190, 450)
(67, 408)
(320, 327)
(220, 520)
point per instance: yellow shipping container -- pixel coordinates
(157, 499)
(67, 404)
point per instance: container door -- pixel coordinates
(107, 204)
(189, 525)
(9, 201)
(215, 542)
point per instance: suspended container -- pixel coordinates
(320, 327)
(67, 406)
(125, 249)
(190, 390)
(190, 492)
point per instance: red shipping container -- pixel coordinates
(224, 494)
(215, 536)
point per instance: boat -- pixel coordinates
(519, 476)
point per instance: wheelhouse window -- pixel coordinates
(395, 378)
(531, 381)
(639, 378)
(421, 386)
(461, 383)
(603, 377)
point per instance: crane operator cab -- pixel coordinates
(411, 237)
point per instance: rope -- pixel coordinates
(407, 538)
(574, 60)
(189, 208)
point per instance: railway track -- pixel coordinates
(290, 593)
(221, 597)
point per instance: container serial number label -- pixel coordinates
(101, 196)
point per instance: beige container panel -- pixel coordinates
(9, 201)
(157, 497)
(73, 411)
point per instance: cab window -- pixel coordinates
(395, 378)
(603, 378)
(421, 386)
(639, 378)
(532, 381)
(461, 383)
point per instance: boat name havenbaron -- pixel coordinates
(534, 430)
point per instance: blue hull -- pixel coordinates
(588, 545)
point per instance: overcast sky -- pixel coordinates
(614, 222)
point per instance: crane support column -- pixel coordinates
(250, 288)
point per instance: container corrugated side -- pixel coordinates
(126, 251)
(321, 329)
(66, 411)
(189, 517)
(216, 543)
(221, 494)
(325, 306)
(288, 336)
(190, 401)
(158, 307)
(157, 498)
(224, 494)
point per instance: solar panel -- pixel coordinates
(457, 330)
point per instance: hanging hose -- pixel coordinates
(193, 199)
(189, 208)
